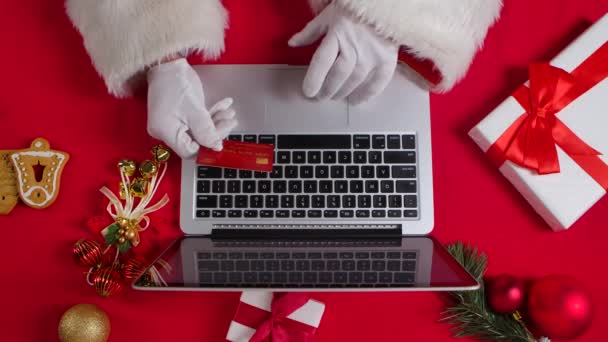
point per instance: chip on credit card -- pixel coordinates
(239, 155)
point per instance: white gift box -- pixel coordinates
(309, 314)
(560, 198)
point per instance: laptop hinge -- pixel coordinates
(306, 230)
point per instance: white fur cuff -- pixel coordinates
(124, 37)
(447, 32)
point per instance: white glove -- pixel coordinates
(352, 60)
(177, 113)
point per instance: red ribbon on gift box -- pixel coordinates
(531, 140)
(274, 326)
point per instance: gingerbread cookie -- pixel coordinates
(38, 173)
(8, 185)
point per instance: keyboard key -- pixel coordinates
(295, 187)
(382, 171)
(219, 186)
(220, 255)
(302, 201)
(341, 187)
(408, 187)
(287, 201)
(370, 277)
(367, 171)
(209, 266)
(360, 157)
(279, 186)
(333, 265)
(378, 141)
(344, 157)
(356, 186)
(371, 187)
(288, 265)
(375, 157)
(349, 201)
(234, 187)
(404, 278)
(379, 201)
(203, 213)
(283, 157)
(265, 277)
(272, 201)
(347, 213)
(250, 277)
(226, 201)
(314, 157)
(277, 172)
(218, 213)
(240, 201)
(378, 265)
(387, 186)
(298, 214)
(329, 157)
(310, 187)
(264, 187)
(227, 265)
(272, 265)
(378, 213)
(318, 201)
(303, 265)
(340, 277)
(291, 171)
(249, 187)
(299, 157)
(325, 277)
(266, 214)
(408, 265)
(393, 142)
(385, 277)
(235, 137)
(322, 171)
(235, 213)
(203, 187)
(256, 201)
(346, 255)
(235, 255)
(326, 187)
(362, 255)
(266, 139)
(394, 201)
(245, 174)
(250, 213)
(393, 255)
(282, 213)
(410, 213)
(330, 213)
(364, 201)
(209, 172)
(250, 138)
(355, 277)
(279, 277)
(403, 171)
(315, 213)
(260, 175)
(393, 265)
(410, 201)
(317, 265)
(348, 265)
(206, 201)
(310, 277)
(394, 213)
(306, 171)
(251, 255)
(242, 265)
(295, 277)
(337, 171)
(363, 265)
(409, 142)
(409, 255)
(333, 201)
(235, 277)
(362, 213)
(352, 171)
(361, 141)
(399, 157)
(314, 142)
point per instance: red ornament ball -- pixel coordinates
(87, 253)
(505, 294)
(560, 307)
(133, 268)
(107, 282)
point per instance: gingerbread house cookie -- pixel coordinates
(9, 194)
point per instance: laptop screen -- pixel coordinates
(408, 263)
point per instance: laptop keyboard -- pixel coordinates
(330, 176)
(345, 268)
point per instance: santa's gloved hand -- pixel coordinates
(177, 113)
(352, 60)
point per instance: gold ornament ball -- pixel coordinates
(84, 322)
(148, 169)
(122, 222)
(121, 240)
(130, 234)
(127, 166)
(160, 153)
(121, 232)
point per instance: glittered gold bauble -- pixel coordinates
(148, 169)
(133, 268)
(107, 282)
(127, 166)
(87, 253)
(139, 187)
(84, 322)
(122, 222)
(160, 153)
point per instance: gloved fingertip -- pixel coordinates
(294, 41)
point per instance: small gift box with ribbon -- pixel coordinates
(550, 138)
(264, 316)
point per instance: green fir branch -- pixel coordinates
(470, 314)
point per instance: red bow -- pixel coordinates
(532, 139)
(277, 327)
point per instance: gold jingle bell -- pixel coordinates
(139, 187)
(123, 190)
(148, 169)
(127, 166)
(160, 153)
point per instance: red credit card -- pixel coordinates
(239, 155)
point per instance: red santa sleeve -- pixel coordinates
(123, 37)
(439, 37)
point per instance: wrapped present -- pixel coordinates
(556, 152)
(266, 316)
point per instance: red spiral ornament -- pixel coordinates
(87, 253)
(107, 282)
(133, 268)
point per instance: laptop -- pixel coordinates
(348, 204)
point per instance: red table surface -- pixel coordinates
(49, 89)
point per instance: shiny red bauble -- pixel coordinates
(87, 253)
(505, 293)
(559, 307)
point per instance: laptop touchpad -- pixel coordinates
(289, 110)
